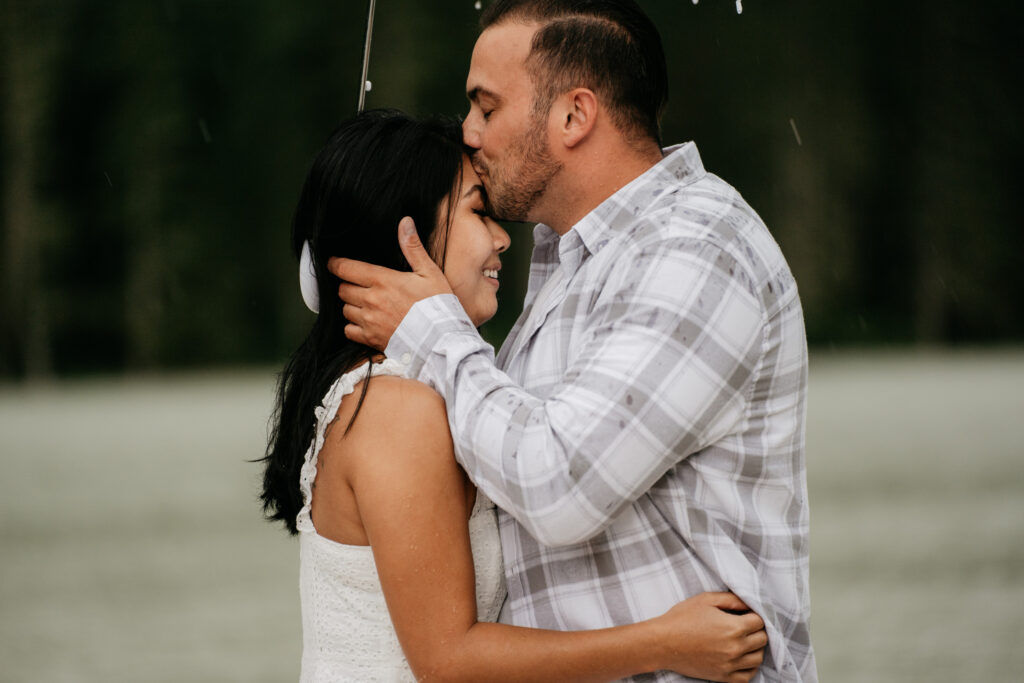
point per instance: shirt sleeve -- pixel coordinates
(660, 367)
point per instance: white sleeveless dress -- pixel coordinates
(346, 630)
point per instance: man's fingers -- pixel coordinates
(356, 272)
(356, 334)
(352, 313)
(353, 294)
(412, 247)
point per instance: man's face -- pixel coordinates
(509, 141)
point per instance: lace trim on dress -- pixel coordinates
(325, 414)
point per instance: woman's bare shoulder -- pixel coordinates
(402, 400)
(398, 446)
(396, 414)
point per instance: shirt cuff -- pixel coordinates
(422, 329)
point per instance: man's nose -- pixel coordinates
(470, 131)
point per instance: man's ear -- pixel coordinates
(579, 115)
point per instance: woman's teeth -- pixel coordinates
(491, 273)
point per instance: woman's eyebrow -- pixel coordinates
(475, 188)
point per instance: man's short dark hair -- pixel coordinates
(608, 46)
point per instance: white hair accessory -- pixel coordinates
(307, 280)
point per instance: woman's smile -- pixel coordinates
(471, 248)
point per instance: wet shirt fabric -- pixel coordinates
(642, 429)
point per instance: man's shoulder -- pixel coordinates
(697, 225)
(704, 213)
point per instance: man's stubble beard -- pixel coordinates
(514, 191)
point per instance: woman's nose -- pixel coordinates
(501, 238)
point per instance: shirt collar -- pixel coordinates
(680, 165)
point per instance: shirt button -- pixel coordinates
(406, 358)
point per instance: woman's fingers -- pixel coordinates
(752, 622)
(727, 601)
(757, 640)
(751, 660)
(744, 676)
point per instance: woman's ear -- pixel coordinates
(579, 114)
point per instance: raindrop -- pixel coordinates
(796, 133)
(739, 6)
(369, 86)
(477, 5)
(205, 131)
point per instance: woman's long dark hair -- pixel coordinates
(375, 169)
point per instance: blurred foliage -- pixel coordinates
(152, 153)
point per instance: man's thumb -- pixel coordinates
(412, 247)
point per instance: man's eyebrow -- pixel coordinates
(476, 93)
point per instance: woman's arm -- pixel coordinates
(412, 502)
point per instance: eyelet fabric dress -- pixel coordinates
(346, 629)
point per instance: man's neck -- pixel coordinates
(578, 190)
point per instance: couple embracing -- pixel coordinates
(621, 493)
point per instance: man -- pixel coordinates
(643, 427)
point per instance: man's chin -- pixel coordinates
(498, 213)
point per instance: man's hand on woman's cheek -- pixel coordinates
(377, 299)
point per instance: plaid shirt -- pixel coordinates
(643, 429)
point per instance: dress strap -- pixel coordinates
(324, 415)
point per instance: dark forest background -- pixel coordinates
(152, 153)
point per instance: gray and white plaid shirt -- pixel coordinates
(643, 429)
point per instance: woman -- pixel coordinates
(395, 584)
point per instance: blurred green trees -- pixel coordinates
(152, 153)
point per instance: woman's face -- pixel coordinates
(471, 261)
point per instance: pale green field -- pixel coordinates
(132, 548)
